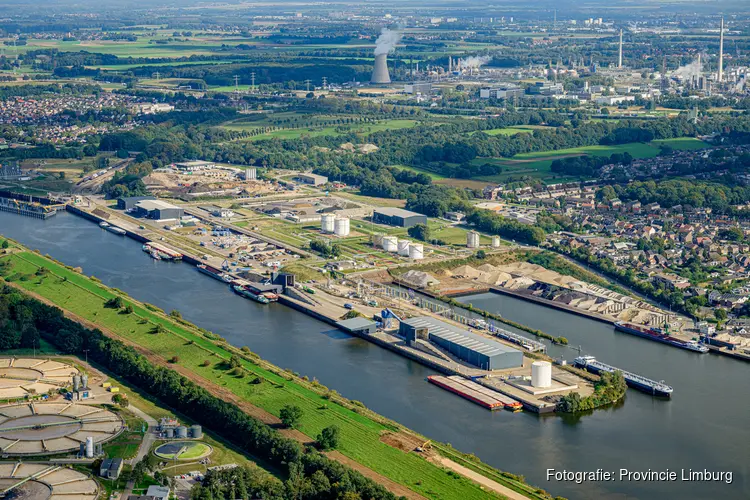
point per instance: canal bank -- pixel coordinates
(700, 428)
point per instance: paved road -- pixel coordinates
(145, 447)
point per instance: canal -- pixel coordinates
(705, 426)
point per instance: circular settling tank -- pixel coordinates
(36, 427)
(183, 450)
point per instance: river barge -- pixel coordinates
(214, 273)
(164, 252)
(659, 335)
(643, 384)
(248, 294)
(476, 393)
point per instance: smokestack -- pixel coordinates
(619, 60)
(450, 64)
(721, 51)
(380, 71)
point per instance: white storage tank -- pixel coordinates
(377, 240)
(390, 243)
(403, 247)
(472, 239)
(416, 251)
(341, 226)
(327, 223)
(496, 242)
(89, 447)
(541, 374)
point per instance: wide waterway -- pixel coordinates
(706, 425)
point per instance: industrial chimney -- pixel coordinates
(380, 71)
(721, 51)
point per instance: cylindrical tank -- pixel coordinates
(327, 223)
(341, 226)
(496, 242)
(181, 432)
(196, 431)
(390, 243)
(76, 382)
(416, 251)
(403, 247)
(170, 432)
(541, 374)
(89, 447)
(472, 239)
(377, 240)
(84, 381)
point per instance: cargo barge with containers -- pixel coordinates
(643, 384)
(214, 273)
(476, 393)
(658, 335)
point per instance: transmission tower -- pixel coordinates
(325, 82)
(307, 84)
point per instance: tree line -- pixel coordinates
(196, 403)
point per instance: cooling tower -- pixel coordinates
(380, 71)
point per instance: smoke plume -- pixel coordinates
(474, 61)
(688, 71)
(387, 41)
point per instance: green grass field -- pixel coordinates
(537, 165)
(360, 434)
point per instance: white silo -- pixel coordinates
(403, 247)
(89, 447)
(327, 222)
(416, 251)
(341, 226)
(390, 243)
(496, 242)
(377, 240)
(541, 374)
(472, 239)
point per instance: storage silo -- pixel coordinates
(403, 247)
(169, 432)
(541, 374)
(341, 226)
(196, 431)
(327, 223)
(85, 382)
(496, 242)
(472, 239)
(377, 240)
(416, 251)
(89, 447)
(390, 243)
(181, 432)
(76, 382)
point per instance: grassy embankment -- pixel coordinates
(361, 429)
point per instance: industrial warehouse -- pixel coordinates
(478, 351)
(397, 217)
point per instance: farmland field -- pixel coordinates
(537, 165)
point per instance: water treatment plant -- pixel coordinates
(52, 428)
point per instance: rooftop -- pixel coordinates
(154, 205)
(459, 336)
(356, 323)
(397, 212)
